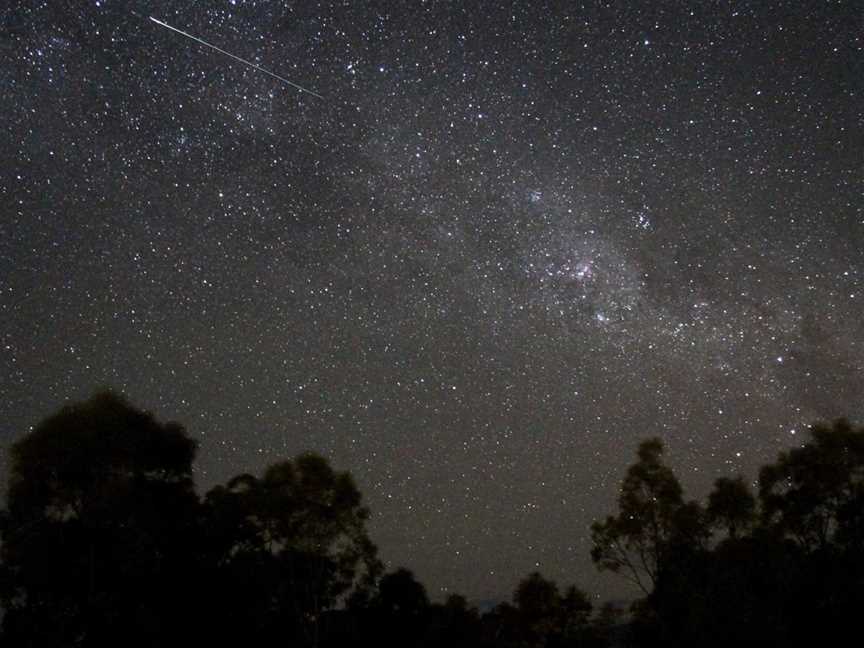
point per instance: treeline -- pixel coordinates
(783, 567)
(106, 542)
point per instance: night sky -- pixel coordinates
(511, 241)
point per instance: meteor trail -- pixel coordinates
(236, 58)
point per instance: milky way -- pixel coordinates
(516, 239)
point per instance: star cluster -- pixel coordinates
(511, 241)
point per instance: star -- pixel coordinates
(507, 247)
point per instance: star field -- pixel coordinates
(513, 240)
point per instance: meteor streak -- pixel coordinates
(236, 58)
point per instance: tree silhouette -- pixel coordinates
(791, 573)
(400, 594)
(635, 542)
(541, 617)
(97, 535)
(105, 543)
(815, 494)
(290, 546)
(577, 627)
(400, 610)
(538, 604)
(731, 505)
(454, 624)
(814, 497)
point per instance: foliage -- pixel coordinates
(97, 541)
(815, 494)
(789, 571)
(292, 545)
(652, 518)
(731, 506)
(542, 617)
(400, 594)
(104, 542)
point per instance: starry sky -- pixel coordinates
(512, 240)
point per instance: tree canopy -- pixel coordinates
(815, 493)
(105, 542)
(789, 569)
(97, 535)
(297, 537)
(651, 512)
